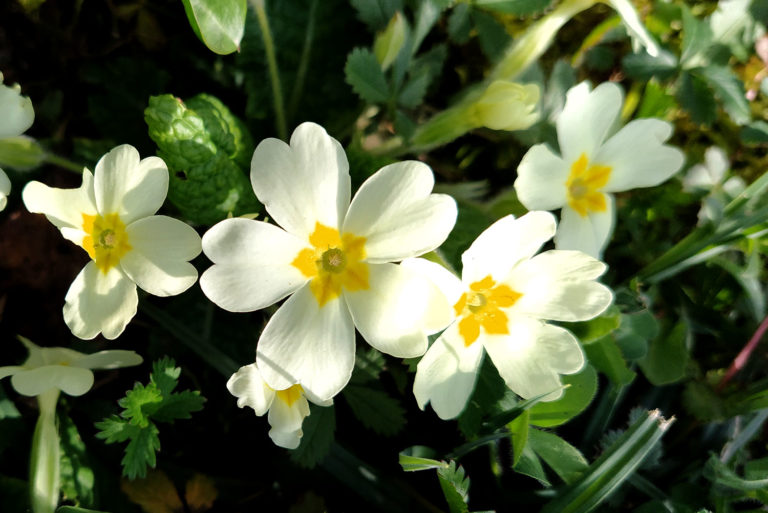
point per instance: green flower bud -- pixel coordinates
(507, 106)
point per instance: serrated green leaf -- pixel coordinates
(412, 94)
(140, 403)
(566, 460)
(455, 487)
(165, 375)
(220, 25)
(77, 477)
(178, 406)
(729, 90)
(318, 436)
(694, 95)
(114, 429)
(376, 13)
(581, 389)
(364, 74)
(697, 38)
(667, 356)
(516, 7)
(606, 357)
(492, 35)
(140, 452)
(375, 409)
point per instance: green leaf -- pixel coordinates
(606, 357)
(582, 388)
(720, 474)
(530, 465)
(459, 24)
(389, 43)
(364, 74)
(455, 487)
(695, 96)
(140, 452)
(566, 460)
(207, 151)
(114, 429)
(729, 90)
(318, 436)
(179, 406)
(595, 329)
(656, 102)
(165, 375)
(489, 389)
(667, 356)
(375, 409)
(77, 478)
(516, 7)
(643, 66)
(140, 403)
(615, 466)
(414, 90)
(220, 25)
(697, 38)
(376, 13)
(412, 459)
(492, 35)
(518, 430)
(755, 133)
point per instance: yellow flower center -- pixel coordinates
(106, 240)
(584, 184)
(290, 395)
(481, 308)
(334, 261)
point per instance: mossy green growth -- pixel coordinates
(208, 152)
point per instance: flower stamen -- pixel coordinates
(583, 186)
(106, 240)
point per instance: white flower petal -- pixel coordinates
(10, 370)
(717, 163)
(504, 244)
(160, 250)
(286, 439)
(304, 183)
(288, 418)
(129, 187)
(397, 214)
(98, 302)
(734, 186)
(589, 234)
(62, 207)
(5, 189)
(303, 343)
(533, 355)
(448, 283)
(634, 26)
(541, 177)
(15, 110)
(252, 264)
(250, 389)
(111, 359)
(446, 375)
(71, 380)
(399, 309)
(588, 118)
(638, 157)
(698, 177)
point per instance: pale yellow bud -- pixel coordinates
(507, 106)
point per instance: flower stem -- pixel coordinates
(44, 470)
(741, 359)
(274, 72)
(64, 163)
(306, 51)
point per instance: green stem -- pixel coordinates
(65, 163)
(44, 470)
(301, 71)
(274, 72)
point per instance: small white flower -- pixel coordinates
(60, 368)
(596, 159)
(16, 116)
(504, 296)
(111, 217)
(710, 177)
(287, 408)
(334, 258)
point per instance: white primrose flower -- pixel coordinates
(287, 408)
(501, 303)
(334, 258)
(16, 116)
(596, 159)
(111, 217)
(62, 369)
(710, 177)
